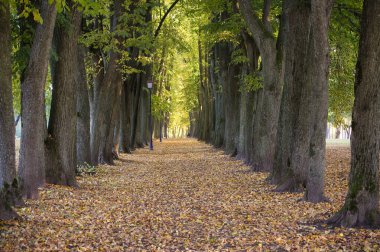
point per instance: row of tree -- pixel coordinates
(255, 76)
(263, 94)
(89, 62)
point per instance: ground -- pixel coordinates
(184, 195)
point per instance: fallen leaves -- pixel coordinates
(183, 196)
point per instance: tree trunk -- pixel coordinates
(116, 135)
(288, 170)
(8, 181)
(218, 94)
(103, 114)
(135, 81)
(125, 119)
(140, 130)
(83, 113)
(108, 153)
(242, 124)
(61, 141)
(231, 95)
(103, 100)
(361, 207)
(203, 96)
(144, 116)
(300, 156)
(247, 103)
(32, 153)
(224, 58)
(319, 54)
(267, 112)
(166, 126)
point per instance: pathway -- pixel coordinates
(183, 196)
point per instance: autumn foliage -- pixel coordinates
(184, 196)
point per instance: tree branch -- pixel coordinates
(266, 11)
(164, 17)
(258, 30)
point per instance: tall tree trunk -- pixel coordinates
(7, 129)
(116, 135)
(247, 99)
(96, 81)
(218, 94)
(252, 97)
(224, 59)
(203, 95)
(319, 54)
(300, 156)
(32, 153)
(231, 99)
(144, 115)
(288, 171)
(140, 116)
(83, 112)
(103, 115)
(166, 126)
(209, 101)
(103, 99)
(135, 81)
(361, 206)
(61, 141)
(107, 149)
(125, 119)
(267, 113)
(241, 151)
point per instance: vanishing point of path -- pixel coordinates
(184, 195)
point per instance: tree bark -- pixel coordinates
(361, 206)
(319, 55)
(300, 155)
(61, 142)
(108, 152)
(32, 153)
(135, 81)
(125, 119)
(248, 102)
(220, 62)
(144, 114)
(83, 112)
(8, 181)
(231, 99)
(103, 100)
(267, 113)
(288, 171)
(116, 135)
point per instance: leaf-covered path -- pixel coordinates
(183, 196)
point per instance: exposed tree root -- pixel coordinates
(318, 199)
(289, 185)
(355, 218)
(8, 214)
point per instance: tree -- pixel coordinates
(61, 141)
(107, 91)
(300, 151)
(268, 107)
(8, 181)
(362, 201)
(32, 153)
(83, 111)
(297, 16)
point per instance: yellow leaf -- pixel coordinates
(37, 16)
